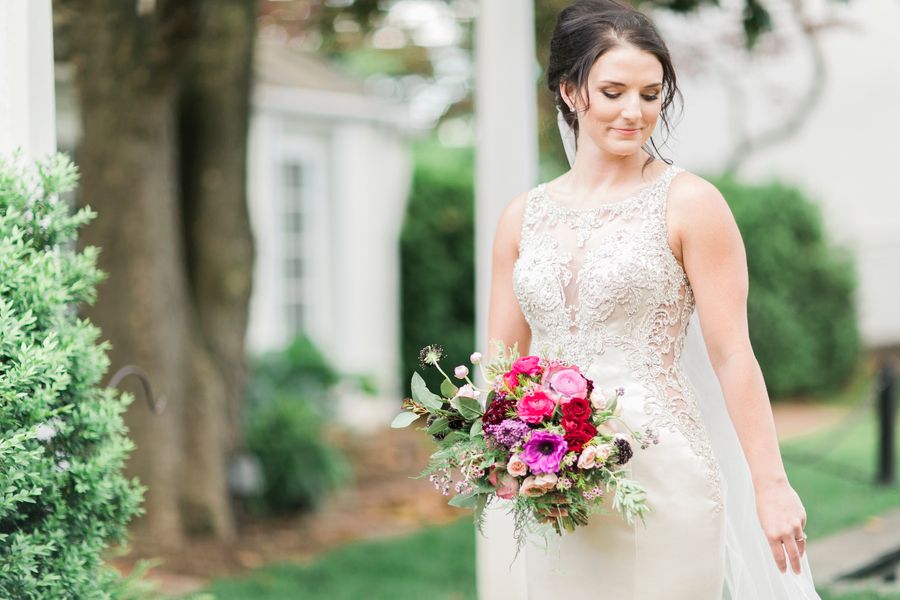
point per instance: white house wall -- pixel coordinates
(358, 188)
(845, 157)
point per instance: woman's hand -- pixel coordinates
(783, 519)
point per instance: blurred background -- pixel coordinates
(293, 198)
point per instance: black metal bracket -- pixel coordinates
(156, 405)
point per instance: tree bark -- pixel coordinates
(127, 97)
(214, 116)
(164, 101)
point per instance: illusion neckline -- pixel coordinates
(639, 193)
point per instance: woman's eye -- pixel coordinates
(647, 97)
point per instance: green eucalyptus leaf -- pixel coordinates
(448, 389)
(469, 408)
(469, 500)
(476, 427)
(439, 426)
(423, 395)
(404, 419)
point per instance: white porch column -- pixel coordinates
(506, 165)
(27, 99)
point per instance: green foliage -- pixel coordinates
(801, 308)
(63, 498)
(437, 563)
(287, 405)
(437, 247)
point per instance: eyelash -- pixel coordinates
(647, 98)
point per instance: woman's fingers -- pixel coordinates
(800, 538)
(778, 554)
(792, 550)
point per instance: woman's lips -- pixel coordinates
(626, 132)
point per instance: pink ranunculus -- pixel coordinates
(527, 365)
(588, 458)
(534, 407)
(517, 466)
(564, 383)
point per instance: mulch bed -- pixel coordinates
(381, 500)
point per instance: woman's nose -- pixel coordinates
(632, 108)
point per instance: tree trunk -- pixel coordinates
(164, 100)
(214, 119)
(129, 177)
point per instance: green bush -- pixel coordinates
(437, 250)
(63, 498)
(801, 307)
(287, 403)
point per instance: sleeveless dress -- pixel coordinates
(601, 288)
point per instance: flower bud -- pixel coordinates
(461, 372)
(475, 358)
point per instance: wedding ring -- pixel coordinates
(801, 539)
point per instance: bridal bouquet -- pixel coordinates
(543, 436)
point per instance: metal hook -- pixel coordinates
(157, 406)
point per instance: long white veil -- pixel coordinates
(750, 570)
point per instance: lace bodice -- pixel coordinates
(602, 284)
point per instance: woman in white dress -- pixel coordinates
(604, 266)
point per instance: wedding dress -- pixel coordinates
(600, 288)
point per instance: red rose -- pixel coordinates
(578, 437)
(576, 409)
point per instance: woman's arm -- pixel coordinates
(506, 322)
(709, 245)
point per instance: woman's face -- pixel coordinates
(624, 87)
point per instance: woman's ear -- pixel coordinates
(565, 90)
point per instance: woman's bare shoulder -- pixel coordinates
(693, 199)
(509, 226)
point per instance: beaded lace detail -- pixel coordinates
(614, 284)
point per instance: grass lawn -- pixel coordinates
(438, 563)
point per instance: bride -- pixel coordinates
(613, 266)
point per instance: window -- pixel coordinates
(293, 256)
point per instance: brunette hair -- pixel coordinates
(587, 29)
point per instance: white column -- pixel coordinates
(27, 99)
(506, 165)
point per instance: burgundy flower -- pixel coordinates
(577, 409)
(576, 438)
(623, 450)
(496, 411)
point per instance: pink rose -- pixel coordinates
(564, 383)
(588, 458)
(535, 406)
(506, 485)
(538, 485)
(517, 467)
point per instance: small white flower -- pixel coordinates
(475, 358)
(44, 432)
(63, 465)
(461, 372)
